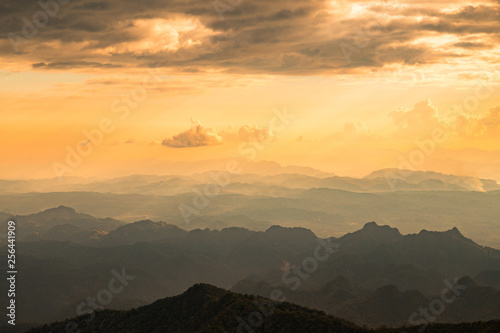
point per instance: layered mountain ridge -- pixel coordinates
(369, 267)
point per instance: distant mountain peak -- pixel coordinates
(374, 226)
(65, 207)
(467, 281)
(278, 227)
(371, 225)
(388, 290)
(372, 233)
(204, 288)
(277, 230)
(338, 283)
(146, 222)
(59, 212)
(61, 208)
(433, 179)
(454, 232)
(143, 231)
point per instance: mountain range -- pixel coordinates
(370, 274)
(282, 180)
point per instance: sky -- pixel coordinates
(106, 88)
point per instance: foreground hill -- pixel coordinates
(204, 308)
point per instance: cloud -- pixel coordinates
(356, 127)
(256, 134)
(470, 125)
(419, 120)
(196, 136)
(73, 64)
(471, 45)
(282, 37)
(424, 117)
(355, 130)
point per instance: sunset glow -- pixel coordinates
(367, 83)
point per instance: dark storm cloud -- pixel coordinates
(286, 37)
(470, 45)
(73, 64)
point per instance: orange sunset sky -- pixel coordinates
(366, 84)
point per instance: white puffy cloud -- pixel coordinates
(356, 127)
(255, 133)
(196, 136)
(417, 121)
(424, 117)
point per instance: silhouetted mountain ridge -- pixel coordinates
(205, 308)
(170, 259)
